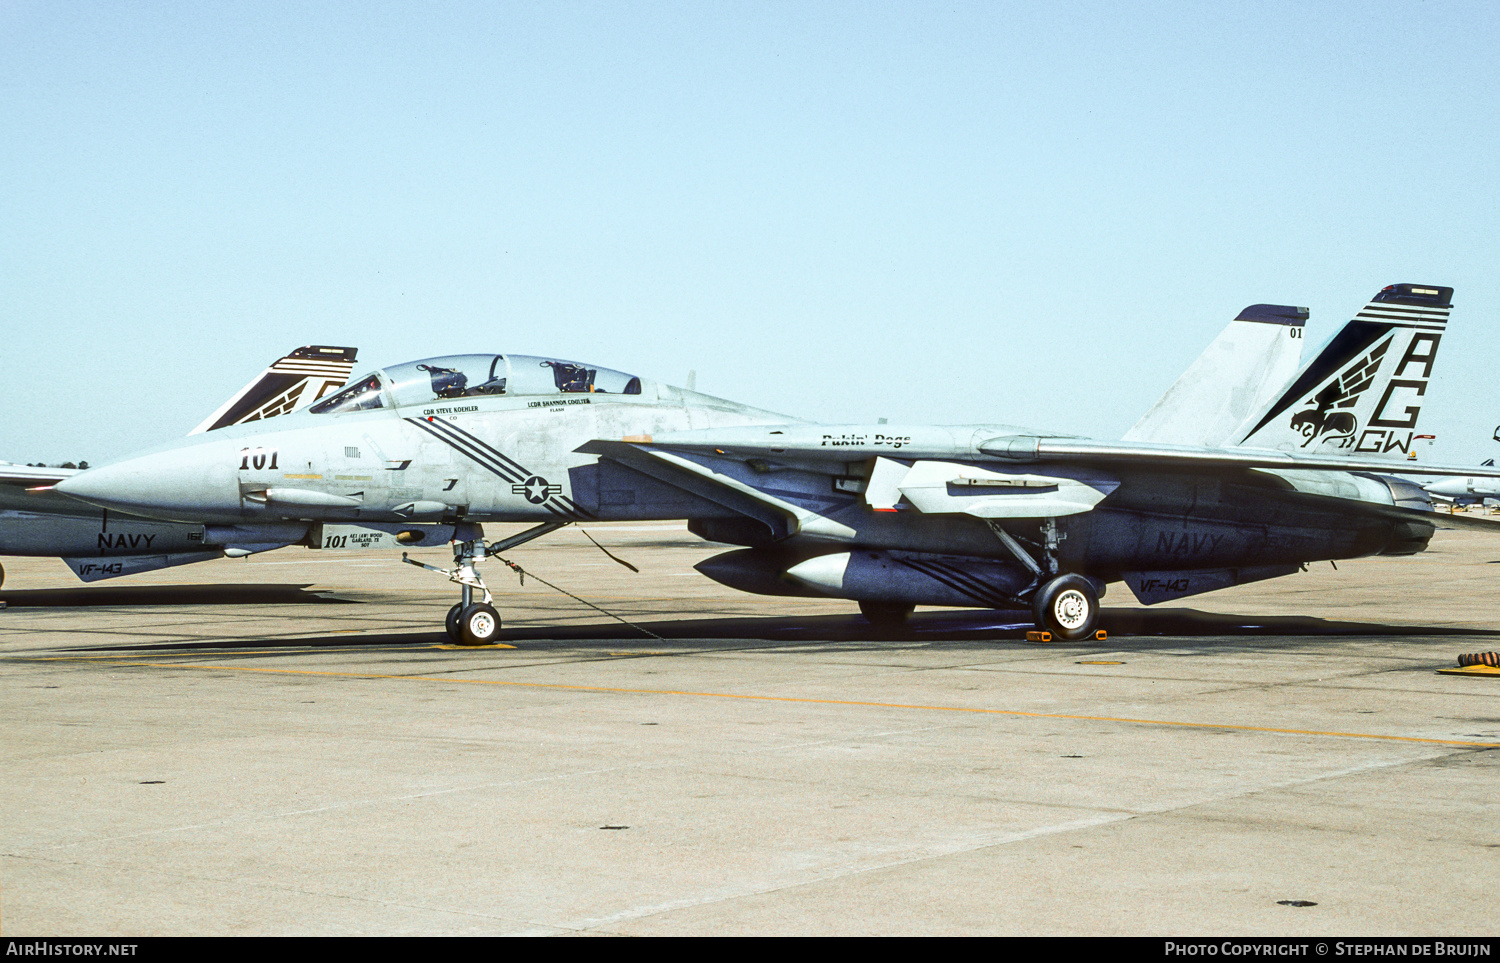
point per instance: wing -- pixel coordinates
(799, 479)
(1000, 445)
(25, 476)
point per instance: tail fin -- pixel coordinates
(1234, 378)
(298, 379)
(1363, 393)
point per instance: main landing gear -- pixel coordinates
(470, 622)
(1065, 605)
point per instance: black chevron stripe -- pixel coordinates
(434, 428)
(566, 504)
(573, 506)
(485, 446)
(941, 577)
(496, 462)
(476, 448)
(996, 596)
(950, 578)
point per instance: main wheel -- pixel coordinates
(1068, 607)
(451, 622)
(478, 624)
(886, 615)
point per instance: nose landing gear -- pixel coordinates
(470, 622)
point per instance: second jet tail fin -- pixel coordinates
(298, 379)
(1235, 377)
(1363, 393)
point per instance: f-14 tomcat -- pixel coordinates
(1255, 485)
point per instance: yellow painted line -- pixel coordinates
(806, 701)
(104, 655)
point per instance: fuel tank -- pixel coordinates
(908, 578)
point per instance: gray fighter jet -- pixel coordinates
(1462, 492)
(888, 516)
(95, 543)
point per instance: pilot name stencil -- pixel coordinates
(559, 403)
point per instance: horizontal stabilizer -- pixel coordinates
(25, 476)
(95, 569)
(1151, 588)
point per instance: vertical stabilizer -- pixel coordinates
(1363, 393)
(298, 379)
(1235, 377)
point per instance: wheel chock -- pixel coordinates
(1477, 663)
(1471, 670)
(1034, 636)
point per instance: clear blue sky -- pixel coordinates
(1034, 213)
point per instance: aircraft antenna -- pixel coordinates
(607, 552)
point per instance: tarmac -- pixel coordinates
(286, 744)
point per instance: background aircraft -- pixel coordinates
(888, 516)
(1462, 492)
(95, 543)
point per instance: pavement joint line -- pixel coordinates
(894, 859)
(1169, 723)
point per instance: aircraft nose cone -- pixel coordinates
(99, 486)
(180, 485)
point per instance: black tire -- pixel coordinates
(479, 624)
(1068, 607)
(888, 616)
(451, 623)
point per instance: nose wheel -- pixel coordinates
(474, 624)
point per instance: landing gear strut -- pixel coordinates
(1065, 605)
(470, 622)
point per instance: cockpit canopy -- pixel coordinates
(473, 376)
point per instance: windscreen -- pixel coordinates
(361, 394)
